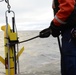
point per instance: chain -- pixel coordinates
(8, 5)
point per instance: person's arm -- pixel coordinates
(66, 8)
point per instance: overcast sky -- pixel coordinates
(30, 14)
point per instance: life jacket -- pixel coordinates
(65, 19)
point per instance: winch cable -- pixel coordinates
(17, 42)
(59, 43)
(28, 39)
